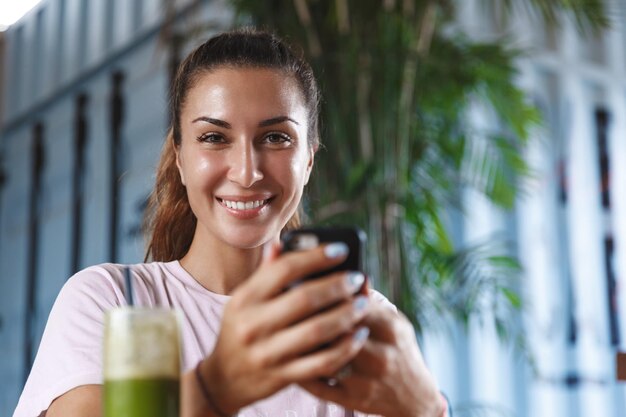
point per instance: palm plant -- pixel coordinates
(397, 81)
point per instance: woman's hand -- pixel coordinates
(270, 338)
(388, 376)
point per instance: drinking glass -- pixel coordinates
(141, 363)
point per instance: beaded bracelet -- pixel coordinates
(206, 395)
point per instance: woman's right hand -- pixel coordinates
(271, 338)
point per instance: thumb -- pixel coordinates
(271, 251)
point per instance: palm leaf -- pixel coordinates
(398, 148)
(591, 16)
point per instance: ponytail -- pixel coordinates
(170, 224)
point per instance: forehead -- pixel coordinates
(238, 91)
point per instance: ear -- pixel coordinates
(179, 164)
(309, 167)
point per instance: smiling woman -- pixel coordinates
(243, 140)
(280, 92)
(231, 176)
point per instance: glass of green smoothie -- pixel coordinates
(141, 363)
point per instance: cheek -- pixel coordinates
(204, 166)
(202, 171)
(296, 167)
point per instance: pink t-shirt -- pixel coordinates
(70, 353)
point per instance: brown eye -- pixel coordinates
(276, 138)
(211, 138)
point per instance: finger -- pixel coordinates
(271, 251)
(273, 277)
(314, 332)
(373, 360)
(306, 299)
(326, 362)
(354, 392)
(383, 323)
(320, 389)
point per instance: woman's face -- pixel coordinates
(244, 156)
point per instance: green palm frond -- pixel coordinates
(398, 147)
(590, 16)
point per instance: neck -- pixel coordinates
(219, 267)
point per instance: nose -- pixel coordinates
(244, 165)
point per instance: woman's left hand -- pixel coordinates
(388, 377)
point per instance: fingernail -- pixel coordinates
(355, 280)
(360, 303)
(361, 335)
(336, 250)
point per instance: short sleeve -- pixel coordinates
(70, 352)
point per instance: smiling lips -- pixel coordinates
(244, 209)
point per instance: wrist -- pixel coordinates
(434, 404)
(201, 371)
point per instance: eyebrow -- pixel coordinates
(263, 123)
(211, 120)
(277, 120)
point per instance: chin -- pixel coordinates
(246, 244)
(248, 239)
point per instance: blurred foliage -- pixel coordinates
(398, 81)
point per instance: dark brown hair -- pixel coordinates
(169, 221)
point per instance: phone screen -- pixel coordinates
(308, 238)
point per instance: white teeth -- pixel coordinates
(240, 205)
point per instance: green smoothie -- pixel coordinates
(141, 363)
(154, 397)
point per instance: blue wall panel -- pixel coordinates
(55, 57)
(95, 220)
(145, 92)
(95, 32)
(122, 22)
(13, 262)
(55, 232)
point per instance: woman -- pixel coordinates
(240, 151)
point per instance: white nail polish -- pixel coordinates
(355, 280)
(336, 250)
(360, 303)
(361, 335)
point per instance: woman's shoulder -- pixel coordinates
(107, 281)
(97, 283)
(102, 277)
(107, 271)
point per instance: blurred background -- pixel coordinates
(480, 143)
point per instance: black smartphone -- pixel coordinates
(308, 238)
